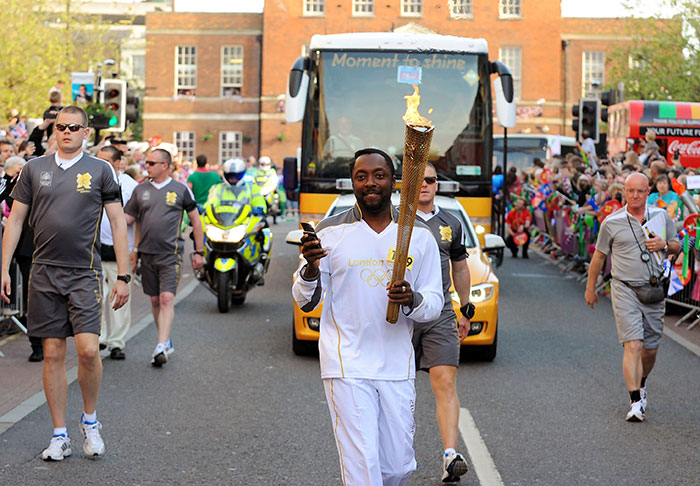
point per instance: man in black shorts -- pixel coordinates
(437, 343)
(64, 194)
(157, 206)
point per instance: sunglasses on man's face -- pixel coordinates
(73, 127)
(151, 164)
(430, 180)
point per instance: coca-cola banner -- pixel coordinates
(688, 149)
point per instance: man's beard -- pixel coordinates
(382, 202)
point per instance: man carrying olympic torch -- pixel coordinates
(367, 363)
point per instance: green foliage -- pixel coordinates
(42, 42)
(662, 61)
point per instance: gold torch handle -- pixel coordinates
(416, 149)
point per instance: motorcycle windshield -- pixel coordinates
(231, 206)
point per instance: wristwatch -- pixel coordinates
(666, 248)
(126, 278)
(200, 253)
(467, 310)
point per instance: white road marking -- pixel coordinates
(484, 466)
(535, 275)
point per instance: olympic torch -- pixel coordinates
(419, 133)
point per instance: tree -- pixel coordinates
(42, 43)
(662, 61)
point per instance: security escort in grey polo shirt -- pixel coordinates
(158, 208)
(622, 238)
(65, 212)
(437, 343)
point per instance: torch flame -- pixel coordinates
(412, 117)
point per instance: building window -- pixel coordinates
(412, 8)
(138, 66)
(593, 73)
(184, 141)
(460, 9)
(510, 9)
(186, 71)
(230, 145)
(513, 58)
(362, 8)
(231, 70)
(314, 7)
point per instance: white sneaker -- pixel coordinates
(57, 449)
(160, 356)
(453, 466)
(643, 394)
(636, 413)
(169, 349)
(93, 445)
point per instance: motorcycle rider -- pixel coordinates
(234, 171)
(267, 180)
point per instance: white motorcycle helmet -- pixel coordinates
(265, 162)
(234, 170)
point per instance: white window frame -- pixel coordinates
(363, 8)
(510, 9)
(236, 148)
(231, 72)
(314, 8)
(186, 143)
(461, 9)
(592, 69)
(186, 70)
(512, 56)
(411, 8)
(142, 57)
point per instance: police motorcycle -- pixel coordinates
(267, 180)
(237, 238)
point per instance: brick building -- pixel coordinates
(215, 83)
(528, 35)
(203, 82)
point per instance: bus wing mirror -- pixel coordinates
(290, 173)
(505, 94)
(297, 88)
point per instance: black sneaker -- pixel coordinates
(103, 347)
(117, 353)
(36, 356)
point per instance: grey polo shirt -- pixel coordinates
(449, 234)
(66, 208)
(617, 240)
(159, 213)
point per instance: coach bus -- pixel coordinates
(676, 124)
(348, 92)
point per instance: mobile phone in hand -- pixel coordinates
(309, 230)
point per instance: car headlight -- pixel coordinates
(480, 230)
(314, 323)
(481, 292)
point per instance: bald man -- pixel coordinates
(639, 317)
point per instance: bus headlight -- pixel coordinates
(481, 292)
(480, 230)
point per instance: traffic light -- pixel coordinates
(607, 98)
(132, 106)
(114, 98)
(575, 121)
(589, 113)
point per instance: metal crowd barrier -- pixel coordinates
(15, 309)
(569, 248)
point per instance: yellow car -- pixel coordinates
(482, 341)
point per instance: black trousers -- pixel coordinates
(510, 243)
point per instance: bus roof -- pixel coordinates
(393, 41)
(671, 113)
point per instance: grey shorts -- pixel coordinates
(436, 343)
(63, 301)
(637, 321)
(160, 273)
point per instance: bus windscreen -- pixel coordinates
(358, 102)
